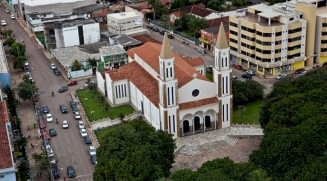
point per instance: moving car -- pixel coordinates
(280, 76)
(12, 16)
(45, 134)
(45, 109)
(53, 66)
(42, 124)
(246, 76)
(238, 67)
(63, 108)
(72, 82)
(298, 71)
(55, 172)
(65, 124)
(63, 89)
(88, 140)
(49, 118)
(250, 72)
(3, 22)
(83, 132)
(92, 150)
(94, 159)
(81, 125)
(71, 172)
(52, 132)
(77, 115)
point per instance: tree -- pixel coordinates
(134, 151)
(76, 65)
(238, 3)
(258, 175)
(11, 101)
(19, 62)
(23, 170)
(42, 161)
(92, 62)
(26, 91)
(247, 91)
(218, 5)
(183, 175)
(17, 49)
(26, 78)
(9, 41)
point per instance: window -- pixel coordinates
(324, 33)
(266, 34)
(232, 40)
(233, 24)
(223, 85)
(173, 123)
(195, 92)
(278, 33)
(291, 19)
(324, 50)
(323, 41)
(233, 48)
(223, 113)
(171, 72)
(278, 51)
(172, 95)
(169, 124)
(125, 90)
(168, 94)
(226, 61)
(167, 72)
(295, 39)
(116, 92)
(222, 62)
(295, 30)
(226, 112)
(324, 25)
(259, 33)
(278, 59)
(226, 84)
(233, 32)
(119, 91)
(278, 42)
(294, 47)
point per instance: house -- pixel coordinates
(7, 165)
(97, 12)
(71, 32)
(209, 35)
(4, 69)
(112, 57)
(125, 23)
(64, 57)
(174, 15)
(171, 92)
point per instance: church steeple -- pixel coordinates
(165, 49)
(221, 42)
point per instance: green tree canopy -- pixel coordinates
(246, 91)
(17, 49)
(26, 91)
(218, 5)
(76, 65)
(9, 41)
(134, 151)
(190, 24)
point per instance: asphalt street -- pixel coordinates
(68, 146)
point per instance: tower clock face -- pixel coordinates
(224, 53)
(168, 63)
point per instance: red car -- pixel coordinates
(45, 134)
(42, 124)
(72, 82)
(298, 71)
(238, 67)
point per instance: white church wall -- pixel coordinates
(155, 116)
(121, 89)
(207, 89)
(225, 101)
(109, 87)
(133, 93)
(200, 69)
(100, 82)
(200, 111)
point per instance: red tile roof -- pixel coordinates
(145, 82)
(194, 61)
(198, 103)
(177, 13)
(217, 21)
(200, 11)
(5, 155)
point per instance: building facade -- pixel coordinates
(4, 68)
(125, 23)
(112, 57)
(173, 94)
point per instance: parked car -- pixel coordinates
(83, 132)
(55, 172)
(72, 82)
(156, 29)
(170, 36)
(250, 72)
(280, 76)
(88, 140)
(72, 104)
(74, 109)
(49, 118)
(42, 124)
(77, 115)
(56, 72)
(71, 172)
(81, 125)
(63, 108)
(92, 150)
(12, 16)
(246, 76)
(52, 160)
(298, 71)
(202, 51)
(40, 116)
(7, 11)
(65, 124)
(94, 159)
(45, 135)
(46, 142)
(162, 32)
(302, 73)
(45, 109)
(53, 66)
(49, 151)
(52, 132)
(149, 27)
(238, 67)
(63, 89)
(3, 23)
(234, 77)
(324, 64)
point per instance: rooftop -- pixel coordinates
(124, 15)
(5, 153)
(214, 30)
(88, 8)
(47, 2)
(194, 61)
(198, 103)
(3, 60)
(322, 11)
(81, 53)
(76, 22)
(112, 50)
(126, 41)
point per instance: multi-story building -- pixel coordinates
(71, 32)
(125, 23)
(4, 68)
(280, 38)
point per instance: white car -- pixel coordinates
(64, 124)
(49, 151)
(49, 118)
(7, 11)
(77, 115)
(83, 133)
(81, 125)
(12, 17)
(280, 76)
(92, 150)
(250, 72)
(3, 22)
(53, 66)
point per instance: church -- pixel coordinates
(172, 92)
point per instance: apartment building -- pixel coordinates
(125, 23)
(321, 33)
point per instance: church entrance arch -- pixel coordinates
(186, 126)
(207, 120)
(197, 123)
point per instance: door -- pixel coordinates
(197, 123)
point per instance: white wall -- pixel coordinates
(100, 82)
(200, 69)
(121, 91)
(108, 83)
(199, 111)
(91, 33)
(70, 35)
(207, 89)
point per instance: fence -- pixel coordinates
(181, 35)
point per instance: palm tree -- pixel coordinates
(258, 175)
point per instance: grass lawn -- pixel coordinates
(93, 103)
(250, 115)
(41, 37)
(209, 75)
